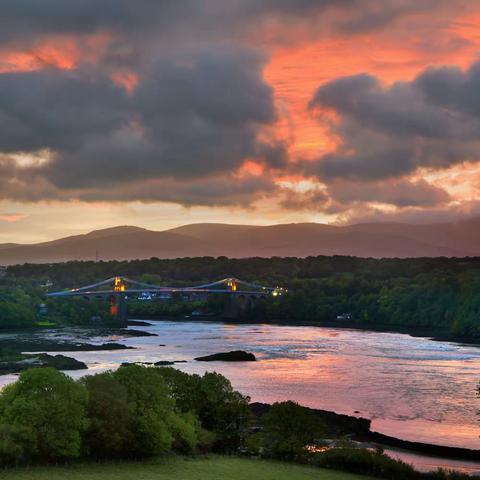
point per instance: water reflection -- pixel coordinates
(413, 388)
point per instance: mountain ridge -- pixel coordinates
(378, 239)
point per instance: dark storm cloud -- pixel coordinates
(218, 190)
(191, 119)
(400, 193)
(57, 109)
(433, 121)
(315, 199)
(373, 15)
(22, 20)
(341, 196)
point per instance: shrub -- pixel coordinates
(365, 462)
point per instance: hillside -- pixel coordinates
(457, 239)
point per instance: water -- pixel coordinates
(412, 388)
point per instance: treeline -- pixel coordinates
(134, 412)
(23, 304)
(442, 302)
(276, 269)
(439, 294)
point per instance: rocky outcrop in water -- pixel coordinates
(23, 362)
(233, 356)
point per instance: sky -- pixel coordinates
(164, 113)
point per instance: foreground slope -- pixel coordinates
(214, 468)
(382, 239)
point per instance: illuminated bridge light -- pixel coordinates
(119, 285)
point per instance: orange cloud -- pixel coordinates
(249, 168)
(12, 217)
(64, 52)
(127, 80)
(296, 72)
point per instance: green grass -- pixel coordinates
(180, 468)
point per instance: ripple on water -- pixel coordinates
(412, 387)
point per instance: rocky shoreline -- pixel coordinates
(358, 429)
(15, 356)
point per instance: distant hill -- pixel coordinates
(382, 239)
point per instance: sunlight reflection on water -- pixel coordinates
(412, 388)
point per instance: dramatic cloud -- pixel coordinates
(122, 16)
(57, 109)
(400, 193)
(189, 120)
(221, 103)
(390, 131)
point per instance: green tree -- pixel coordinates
(221, 409)
(288, 428)
(157, 425)
(153, 407)
(111, 417)
(49, 408)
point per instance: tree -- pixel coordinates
(220, 408)
(49, 408)
(288, 428)
(111, 417)
(157, 426)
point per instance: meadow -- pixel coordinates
(180, 468)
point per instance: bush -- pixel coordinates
(365, 462)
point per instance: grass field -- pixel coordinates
(180, 468)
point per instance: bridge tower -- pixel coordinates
(118, 301)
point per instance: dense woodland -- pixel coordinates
(437, 294)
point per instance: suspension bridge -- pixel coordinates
(118, 289)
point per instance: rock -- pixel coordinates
(138, 323)
(233, 356)
(61, 362)
(163, 363)
(136, 333)
(29, 345)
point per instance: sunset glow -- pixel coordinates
(228, 112)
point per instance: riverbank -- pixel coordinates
(358, 429)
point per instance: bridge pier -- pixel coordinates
(118, 309)
(122, 313)
(237, 306)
